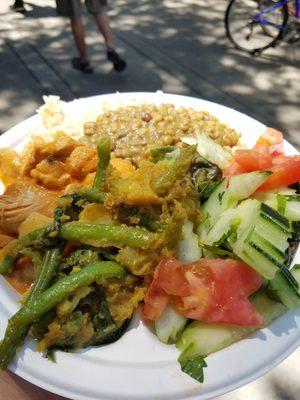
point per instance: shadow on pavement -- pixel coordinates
(174, 46)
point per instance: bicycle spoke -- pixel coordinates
(254, 24)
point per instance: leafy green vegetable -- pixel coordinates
(206, 188)
(159, 153)
(42, 303)
(194, 367)
(175, 170)
(218, 252)
(81, 257)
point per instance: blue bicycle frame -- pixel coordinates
(259, 18)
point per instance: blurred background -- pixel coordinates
(177, 46)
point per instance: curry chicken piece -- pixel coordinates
(19, 200)
(10, 164)
(51, 173)
(82, 161)
(38, 150)
(58, 163)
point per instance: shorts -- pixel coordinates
(72, 8)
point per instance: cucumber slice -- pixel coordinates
(262, 237)
(243, 185)
(169, 325)
(202, 339)
(284, 290)
(286, 202)
(188, 248)
(223, 228)
(222, 198)
(296, 273)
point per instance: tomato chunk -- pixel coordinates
(252, 160)
(211, 290)
(267, 154)
(272, 139)
(286, 170)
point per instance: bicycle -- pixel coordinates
(256, 25)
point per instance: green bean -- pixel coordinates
(12, 249)
(92, 195)
(103, 161)
(96, 192)
(179, 166)
(47, 270)
(109, 234)
(7, 264)
(35, 257)
(42, 304)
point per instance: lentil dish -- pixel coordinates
(135, 129)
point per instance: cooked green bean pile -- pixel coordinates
(77, 263)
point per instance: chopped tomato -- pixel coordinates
(234, 169)
(267, 154)
(211, 290)
(271, 139)
(162, 286)
(285, 171)
(253, 160)
(155, 302)
(171, 279)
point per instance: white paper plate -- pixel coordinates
(138, 366)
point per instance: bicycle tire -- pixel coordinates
(273, 39)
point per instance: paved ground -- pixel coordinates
(174, 45)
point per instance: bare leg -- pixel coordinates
(102, 21)
(79, 38)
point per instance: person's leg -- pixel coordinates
(102, 22)
(72, 9)
(79, 37)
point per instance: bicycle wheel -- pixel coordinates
(255, 25)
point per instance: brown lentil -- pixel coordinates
(135, 129)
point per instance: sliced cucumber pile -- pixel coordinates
(227, 195)
(261, 238)
(289, 206)
(256, 232)
(285, 287)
